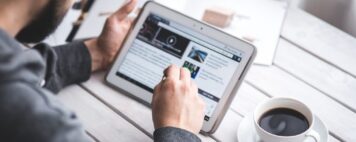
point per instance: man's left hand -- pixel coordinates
(104, 48)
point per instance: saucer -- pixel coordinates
(247, 133)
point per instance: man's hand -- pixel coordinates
(104, 48)
(176, 103)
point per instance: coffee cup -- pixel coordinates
(284, 120)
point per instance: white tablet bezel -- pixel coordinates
(197, 26)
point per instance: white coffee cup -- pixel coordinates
(289, 103)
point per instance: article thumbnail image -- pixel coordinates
(192, 68)
(197, 55)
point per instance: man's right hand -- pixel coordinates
(176, 103)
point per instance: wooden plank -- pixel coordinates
(326, 78)
(275, 82)
(227, 131)
(321, 39)
(92, 137)
(99, 120)
(248, 98)
(132, 109)
(333, 139)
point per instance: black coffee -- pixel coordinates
(284, 122)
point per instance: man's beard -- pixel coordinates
(43, 24)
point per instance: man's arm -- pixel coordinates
(65, 64)
(177, 109)
(78, 59)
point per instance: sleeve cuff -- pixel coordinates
(74, 62)
(172, 134)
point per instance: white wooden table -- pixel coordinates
(315, 63)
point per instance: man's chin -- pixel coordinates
(32, 35)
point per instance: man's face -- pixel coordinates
(45, 22)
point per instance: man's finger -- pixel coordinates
(172, 72)
(131, 19)
(194, 87)
(125, 10)
(185, 74)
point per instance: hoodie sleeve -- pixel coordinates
(172, 134)
(65, 65)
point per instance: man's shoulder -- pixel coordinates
(17, 64)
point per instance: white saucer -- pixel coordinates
(246, 131)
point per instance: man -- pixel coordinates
(29, 77)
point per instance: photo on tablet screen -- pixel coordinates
(197, 54)
(192, 68)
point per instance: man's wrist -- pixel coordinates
(98, 61)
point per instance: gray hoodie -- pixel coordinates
(28, 78)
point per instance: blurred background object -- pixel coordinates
(340, 13)
(70, 24)
(256, 21)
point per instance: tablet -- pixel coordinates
(161, 37)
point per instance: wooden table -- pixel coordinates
(315, 63)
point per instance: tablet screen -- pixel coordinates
(162, 42)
